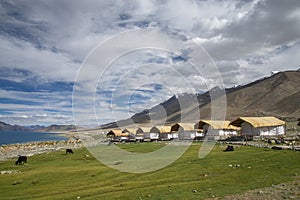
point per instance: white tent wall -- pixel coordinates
(154, 136)
(248, 129)
(271, 131)
(174, 135)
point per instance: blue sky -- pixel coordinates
(44, 45)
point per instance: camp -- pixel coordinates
(260, 126)
(215, 128)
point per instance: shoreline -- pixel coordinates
(10, 151)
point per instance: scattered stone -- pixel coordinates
(17, 182)
(10, 172)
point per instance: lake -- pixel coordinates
(12, 137)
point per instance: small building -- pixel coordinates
(117, 135)
(217, 128)
(131, 133)
(160, 132)
(141, 132)
(183, 131)
(260, 126)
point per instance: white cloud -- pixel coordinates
(246, 40)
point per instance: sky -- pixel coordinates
(101, 61)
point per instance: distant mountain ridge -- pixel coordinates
(277, 95)
(8, 127)
(36, 128)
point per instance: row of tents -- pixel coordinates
(247, 126)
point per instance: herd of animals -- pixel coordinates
(23, 159)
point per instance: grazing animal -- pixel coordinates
(229, 148)
(68, 151)
(276, 148)
(21, 160)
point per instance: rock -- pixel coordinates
(194, 191)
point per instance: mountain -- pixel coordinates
(8, 127)
(277, 95)
(36, 128)
(58, 128)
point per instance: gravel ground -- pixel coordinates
(288, 190)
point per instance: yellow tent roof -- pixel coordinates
(161, 129)
(215, 124)
(129, 130)
(258, 121)
(185, 126)
(143, 130)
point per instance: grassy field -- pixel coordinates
(80, 176)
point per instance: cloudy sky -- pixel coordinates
(46, 48)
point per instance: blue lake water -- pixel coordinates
(12, 137)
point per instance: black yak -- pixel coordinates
(68, 151)
(21, 160)
(229, 148)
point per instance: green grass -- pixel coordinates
(59, 176)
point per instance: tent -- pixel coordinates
(217, 128)
(260, 126)
(117, 134)
(142, 133)
(183, 131)
(160, 132)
